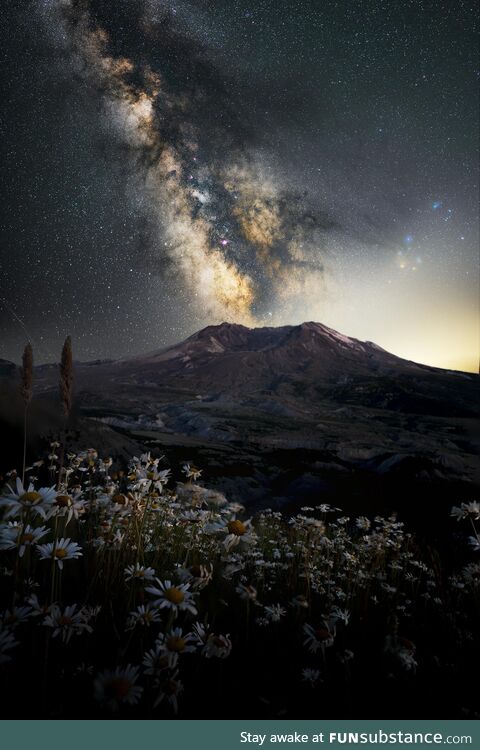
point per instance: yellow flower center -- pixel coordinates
(64, 620)
(120, 499)
(174, 595)
(30, 498)
(237, 528)
(64, 501)
(176, 644)
(26, 538)
(118, 688)
(60, 553)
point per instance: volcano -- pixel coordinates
(300, 366)
(276, 413)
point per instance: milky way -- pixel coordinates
(242, 245)
(175, 164)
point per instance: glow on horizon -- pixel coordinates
(436, 324)
(451, 343)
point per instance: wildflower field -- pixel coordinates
(127, 593)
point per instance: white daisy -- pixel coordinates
(37, 501)
(466, 510)
(339, 614)
(238, 532)
(175, 643)
(274, 612)
(170, 690)
(473, 509)
(198, 576)
(139, 572)
(37, 608)
(218, 646)
(191, 472)
(13, 617)
(317, 639)
(177, 598)
(112, 688)
(68, 622)
(71, 506)
(155, 660)
(60, 550)
(145, 615)
(17, 535)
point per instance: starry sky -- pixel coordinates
(173, 164)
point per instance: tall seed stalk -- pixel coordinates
(26, 388)
(66, 387)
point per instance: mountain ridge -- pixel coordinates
(227, 338)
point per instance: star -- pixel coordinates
(201, 152)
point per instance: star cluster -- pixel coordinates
(175, 164)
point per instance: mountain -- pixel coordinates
(294, 369)
(283, 410)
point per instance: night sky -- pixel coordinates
(170, 165)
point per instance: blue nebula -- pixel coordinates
(408, 239)
(436, 204)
